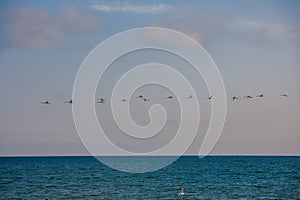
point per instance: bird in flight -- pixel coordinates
(140, 97)
(123, 100)
(190, 97)
(145, 99)
(234, 98)
(101, 100)
(261, 95)
(248, 97)
(70, 101)
(284, 95)
(169, 97)
(210, 97)
(45, 102)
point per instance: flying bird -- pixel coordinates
(210, 97)
(284, 95)
(45, 102)
(248, 97)
(234, 98)
(190, 97)
(145, 99)
(101, 100)
(70, 101)
(261, 95)
(140, 97)
(169, 97)
(123, 100)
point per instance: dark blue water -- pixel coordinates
(207, 178)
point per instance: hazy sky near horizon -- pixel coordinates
(255, 44)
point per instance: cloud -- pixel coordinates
(165, 38)
(192, 22)
(203, 26)
(263, 33)
(78, 21)
(131, 8)
(31, 27)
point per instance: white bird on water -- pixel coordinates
(181, 191)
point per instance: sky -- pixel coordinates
(255, 45)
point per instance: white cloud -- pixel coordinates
(131, 8)
(195, 24)
(272, 29)
(31, 27)
(203, 26)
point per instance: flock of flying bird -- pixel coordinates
(143, 98)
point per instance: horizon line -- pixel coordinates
(115, 155)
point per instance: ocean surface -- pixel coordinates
(213, 177)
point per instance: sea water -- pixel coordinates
(213, 177)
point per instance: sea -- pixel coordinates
(211, 177)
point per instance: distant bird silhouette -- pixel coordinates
(101, 100)
(284, 95)
(234, 98)
(190, 97)
(210, 97)
(261, 95)
(70, 102)
(169, 97)
(248, 97)
(123, 100)
(145, 99)
(45, 102)
(140, 97)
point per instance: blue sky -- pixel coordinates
(255, 44)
